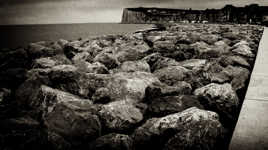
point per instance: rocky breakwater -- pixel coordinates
(178, 88)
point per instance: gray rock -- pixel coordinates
(43, 49)
(156, 131)
(242, 48)
(172, 74)
(219, 97)
(193, 63)
(127, 86)
(158, 90)
(109, 60)
(120, 115)
(112, 141)
(69, 78)
(204, 133)
(166, 105)
(204, 51)
(239, 76)
(131, 51)
(132, 66)
(156, 61)
(234, 61)
(86, 67)
(69, 116)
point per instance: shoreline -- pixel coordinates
(152, 88)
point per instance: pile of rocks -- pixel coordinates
(178, 88)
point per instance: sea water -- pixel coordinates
(13, 36)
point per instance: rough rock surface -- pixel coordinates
(157, 131)
(112, 141)
(120, 115)
(152, 89)
(220, 98)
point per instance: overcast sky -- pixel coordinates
(81, 11)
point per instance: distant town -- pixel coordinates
(251, 14)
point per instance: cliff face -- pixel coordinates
(133, 16)
(248, 14)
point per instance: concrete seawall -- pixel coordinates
(251, 132)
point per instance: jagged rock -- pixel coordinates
(156, 61)
(210, 38)
(158, 90)
(242, 48)
(43, 49)
(109, 60)
(230, 35)
(126, 86)
(72, 48)
(202, 76)
(166, 105)
(172, 74)
(120, 115)
(156, 131)
(87, 67)
(4, 95)
(234, 60)
(112, 141)
(69, 78)
(193, 63)
(69, 116)
(83, 56)
(132, 66)
(204, 133)
(45, 62)
(164, 46)
(131, 51)
(238, 75)
(219, 97)
(204, 51)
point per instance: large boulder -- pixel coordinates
(131, 51)
(238, 75)
(172, 74)
(242, 48)
(166, 105)
(205, 51)
(120, 116)
(112, 141)
(49, 62)
(69, 78)
(193, 63)
(156, 61)
(132, 66)
(69, 116)
(109, 60)
(44, 49)
(234, 61)
(155, 132)
(159, 90)
(96, 67)
(126, 86)
(220, 98)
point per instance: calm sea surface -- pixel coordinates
(20, 35)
